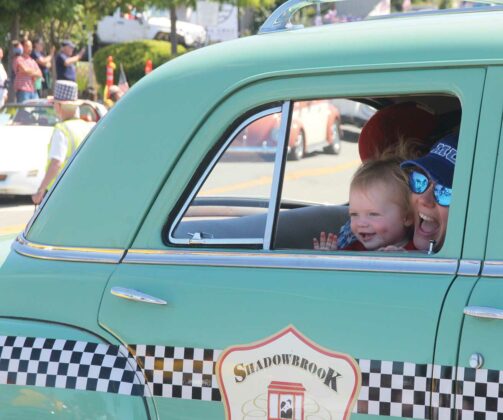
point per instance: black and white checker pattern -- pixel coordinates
(65, 90)
(394, 389)
(388, 388)
(179, 372)
(479, 394)
(442, 398)
(71, 364)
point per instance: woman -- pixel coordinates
(27, 71)
(44, 63)
(430, 181)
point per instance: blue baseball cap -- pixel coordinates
(439, 163)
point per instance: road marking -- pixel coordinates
(290, 176)
(8, 230)
(28, 207)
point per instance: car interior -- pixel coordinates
(208, 219)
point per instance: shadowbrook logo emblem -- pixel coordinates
(287, 376)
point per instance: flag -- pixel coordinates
(123, 84)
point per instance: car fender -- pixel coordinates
(49, 392)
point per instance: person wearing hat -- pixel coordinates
(67, 135)
(430, 181)
(65, 61)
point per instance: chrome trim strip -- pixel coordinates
(281, 17)
(136, 296)
(492, 269)
(63, 253)
(276, 178)
(309, 261)
(213, 162)
(469, 268)
(483, 312)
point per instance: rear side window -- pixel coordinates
(231, 201)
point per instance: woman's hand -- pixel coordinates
(326, 242)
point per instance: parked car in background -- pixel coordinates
(161, 280)
(25, 132)
(150, 24)
(316, 125)
(353, 111)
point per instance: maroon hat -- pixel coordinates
(406, 119)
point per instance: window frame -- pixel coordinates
(265, 241)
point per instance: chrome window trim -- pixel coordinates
(492, 268)
(279, 167)
(64, 253)
(469, 268)
(331, 262)
(202, 179)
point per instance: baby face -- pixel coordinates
(376, 219)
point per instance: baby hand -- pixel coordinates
(326, 242)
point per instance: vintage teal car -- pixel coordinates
(164, 278)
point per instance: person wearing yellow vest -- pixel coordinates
(67, 135)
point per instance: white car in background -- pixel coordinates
(151, 24)
(25, 133)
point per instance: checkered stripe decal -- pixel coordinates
(479, 393)
(388, 388)
(394, 389)
(179, 372)
(71, 364)
(404, 390)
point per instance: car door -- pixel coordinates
(479, 378)
(207, 294)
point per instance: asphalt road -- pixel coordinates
(15, 212)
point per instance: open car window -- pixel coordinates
(302, 174)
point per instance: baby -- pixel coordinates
(379, 209)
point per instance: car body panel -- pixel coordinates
(56, 402)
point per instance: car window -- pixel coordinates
(231, 201)
(29, 115)
(323, 148)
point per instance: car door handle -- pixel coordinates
(484, 312)
(135, 295)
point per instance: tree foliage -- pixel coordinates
(133, 56)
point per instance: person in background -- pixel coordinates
(114, 93)
(90, 94)
(4, 80)
(27, 71)
(66, 61)
(44, 63)
(67, 135)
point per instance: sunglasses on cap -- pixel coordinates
(419, 183)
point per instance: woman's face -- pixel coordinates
(27, 47)
(430, 220)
